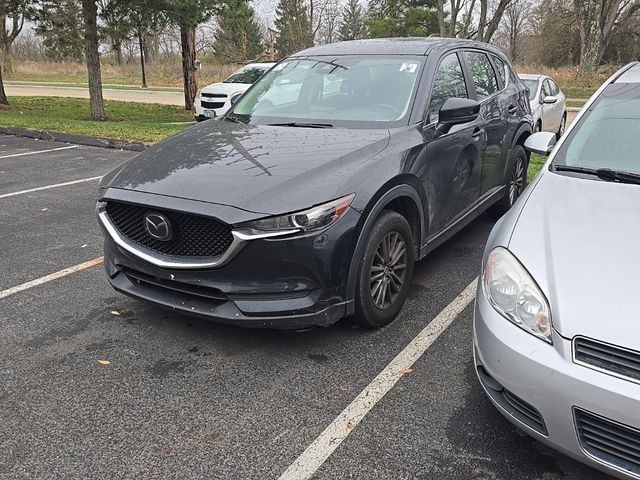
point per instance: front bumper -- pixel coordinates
(203, 113)
(284, 283)
(551, 385)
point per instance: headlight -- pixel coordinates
(314, 218)
(514, 294)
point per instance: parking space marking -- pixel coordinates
(50, 277)
(39, 151)
(329, 440)
(47, 187)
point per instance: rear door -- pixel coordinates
(452, 166)
(494, 109)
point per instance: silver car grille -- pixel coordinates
(610, 442)
(608, 358)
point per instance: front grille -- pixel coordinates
(607, 357)
(517, 407)
(214, 95)
(157, 283)
(211, 104)
(193, 235)
(611, 442)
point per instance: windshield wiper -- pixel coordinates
(602, 173)
(234, 119)
(301, 124)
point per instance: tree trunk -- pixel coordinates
(3, 96)
(90, 15)
(117, 48)
(441, 23)
(188, 40)
(142, 60)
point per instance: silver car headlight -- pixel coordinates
(315, 218)
(512, 291)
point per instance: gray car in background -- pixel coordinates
(556, 337)
(548, 104)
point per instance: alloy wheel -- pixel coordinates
(516, 185)
(388, 270)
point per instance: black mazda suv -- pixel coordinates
(314, 196)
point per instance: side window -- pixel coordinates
(483, 75)
(502, 70)
(546, 89)
(448, 83)
(555, 90)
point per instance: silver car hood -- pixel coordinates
(580, 240)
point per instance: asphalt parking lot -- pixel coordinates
(186, 398)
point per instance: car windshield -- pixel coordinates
(350, 91)
(249, 75)
(532, 85)
(606, 136)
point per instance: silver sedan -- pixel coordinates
(557, 343)
(548, 104)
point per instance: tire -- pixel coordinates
(383, 282)
(516, 181)
(562, 127)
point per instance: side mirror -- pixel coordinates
(456, 111)
(541, 143)
(235, 97)
(550, 99)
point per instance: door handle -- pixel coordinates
(478, 133)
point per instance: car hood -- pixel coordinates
(579, 240)
(226, 88)
(262, 169)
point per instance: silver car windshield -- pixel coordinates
(532, 85)
(607, 136)
(341, 90)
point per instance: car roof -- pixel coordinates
(393, 46)
(630, 75)
(531, 76)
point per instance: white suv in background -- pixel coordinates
(214, 100)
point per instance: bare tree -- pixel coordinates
(515, 22)
(487, 28)
(598, 20)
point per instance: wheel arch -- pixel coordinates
(403, 195)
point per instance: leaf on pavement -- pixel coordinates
(44, 209)
(404, 371)
(104, 362)
(115, 313)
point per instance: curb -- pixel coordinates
(574, 109)
(73, 138)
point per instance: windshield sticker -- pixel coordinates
(409, 67)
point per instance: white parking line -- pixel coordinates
(47, 187)
(39, 151)
(50, 277)
(323, 446)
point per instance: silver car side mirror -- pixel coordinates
(550, 99)
(541, 143)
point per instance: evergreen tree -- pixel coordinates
(293, 26)
(405, 18)
(352, 26)
(61, 26)
(237, 38)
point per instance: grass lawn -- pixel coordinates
(126, 120)
(535, 164)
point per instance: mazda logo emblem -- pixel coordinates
(158, 226)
